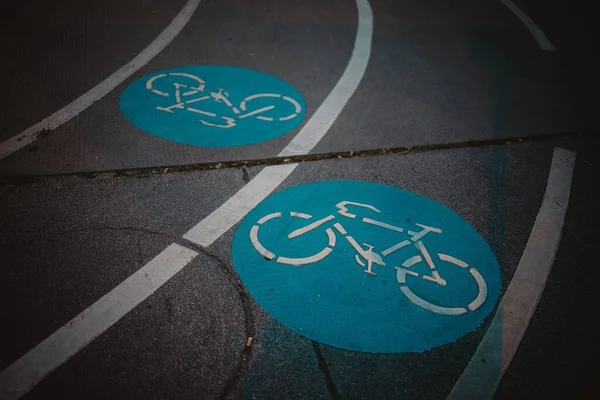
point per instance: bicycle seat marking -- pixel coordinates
(213, 106)
(366, 267)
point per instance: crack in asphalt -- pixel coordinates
(246, 354)
(245, 176)
(278, 160)
(335, 394)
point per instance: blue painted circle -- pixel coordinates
(333, 300)
(204, 105)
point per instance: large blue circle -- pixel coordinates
(192, 110)
(333, 300)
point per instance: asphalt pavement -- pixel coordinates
(458, 104)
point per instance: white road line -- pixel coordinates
(23, 374)
(233, 210)
(63, 115)
(325, 116)
(225, 217)
(535, 30)
(495, 352)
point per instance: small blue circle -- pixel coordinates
(213, 106)
(366, 267)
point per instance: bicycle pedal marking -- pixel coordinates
(427, 276)
(213, 106)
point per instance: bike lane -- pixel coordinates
(306, 45)
(54, 52)
(393, 178)
(443, 73)
(438, 74)
(569, 298)
(92, 285)
(472, 185)
(72, 241)
(190, 337)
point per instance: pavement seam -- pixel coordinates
(246, 355)
(145, 172)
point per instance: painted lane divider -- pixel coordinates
(23, 374)
(536, 32)
(71, 110)
(233, 210)
(497, 348)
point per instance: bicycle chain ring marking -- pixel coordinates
(430, 277)
(213, 106)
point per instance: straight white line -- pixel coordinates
(325, 116)
(495, 352)
(382, 224)
(233, 210)
(63, 115)
(225, 217)
(535, 30)
(310, 227)
(23, 374)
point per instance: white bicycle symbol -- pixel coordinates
(366, 257)
(193, 88)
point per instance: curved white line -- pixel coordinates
(269, 217)
(296, 262)
(295, 103)
(254, 112)
(256, 96)
(291, 116)
(412, 261)
(300, 215)
(233, 210)
(400, 275)
(482, 286)
(502, 338)
(150, 82)
(536, 32)
(429, 306)
(331, 237)
(259, 95)
(310, 227)
(28, 370)
(453, 260)
(200, 82)
(258, 245)
(69, 111)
